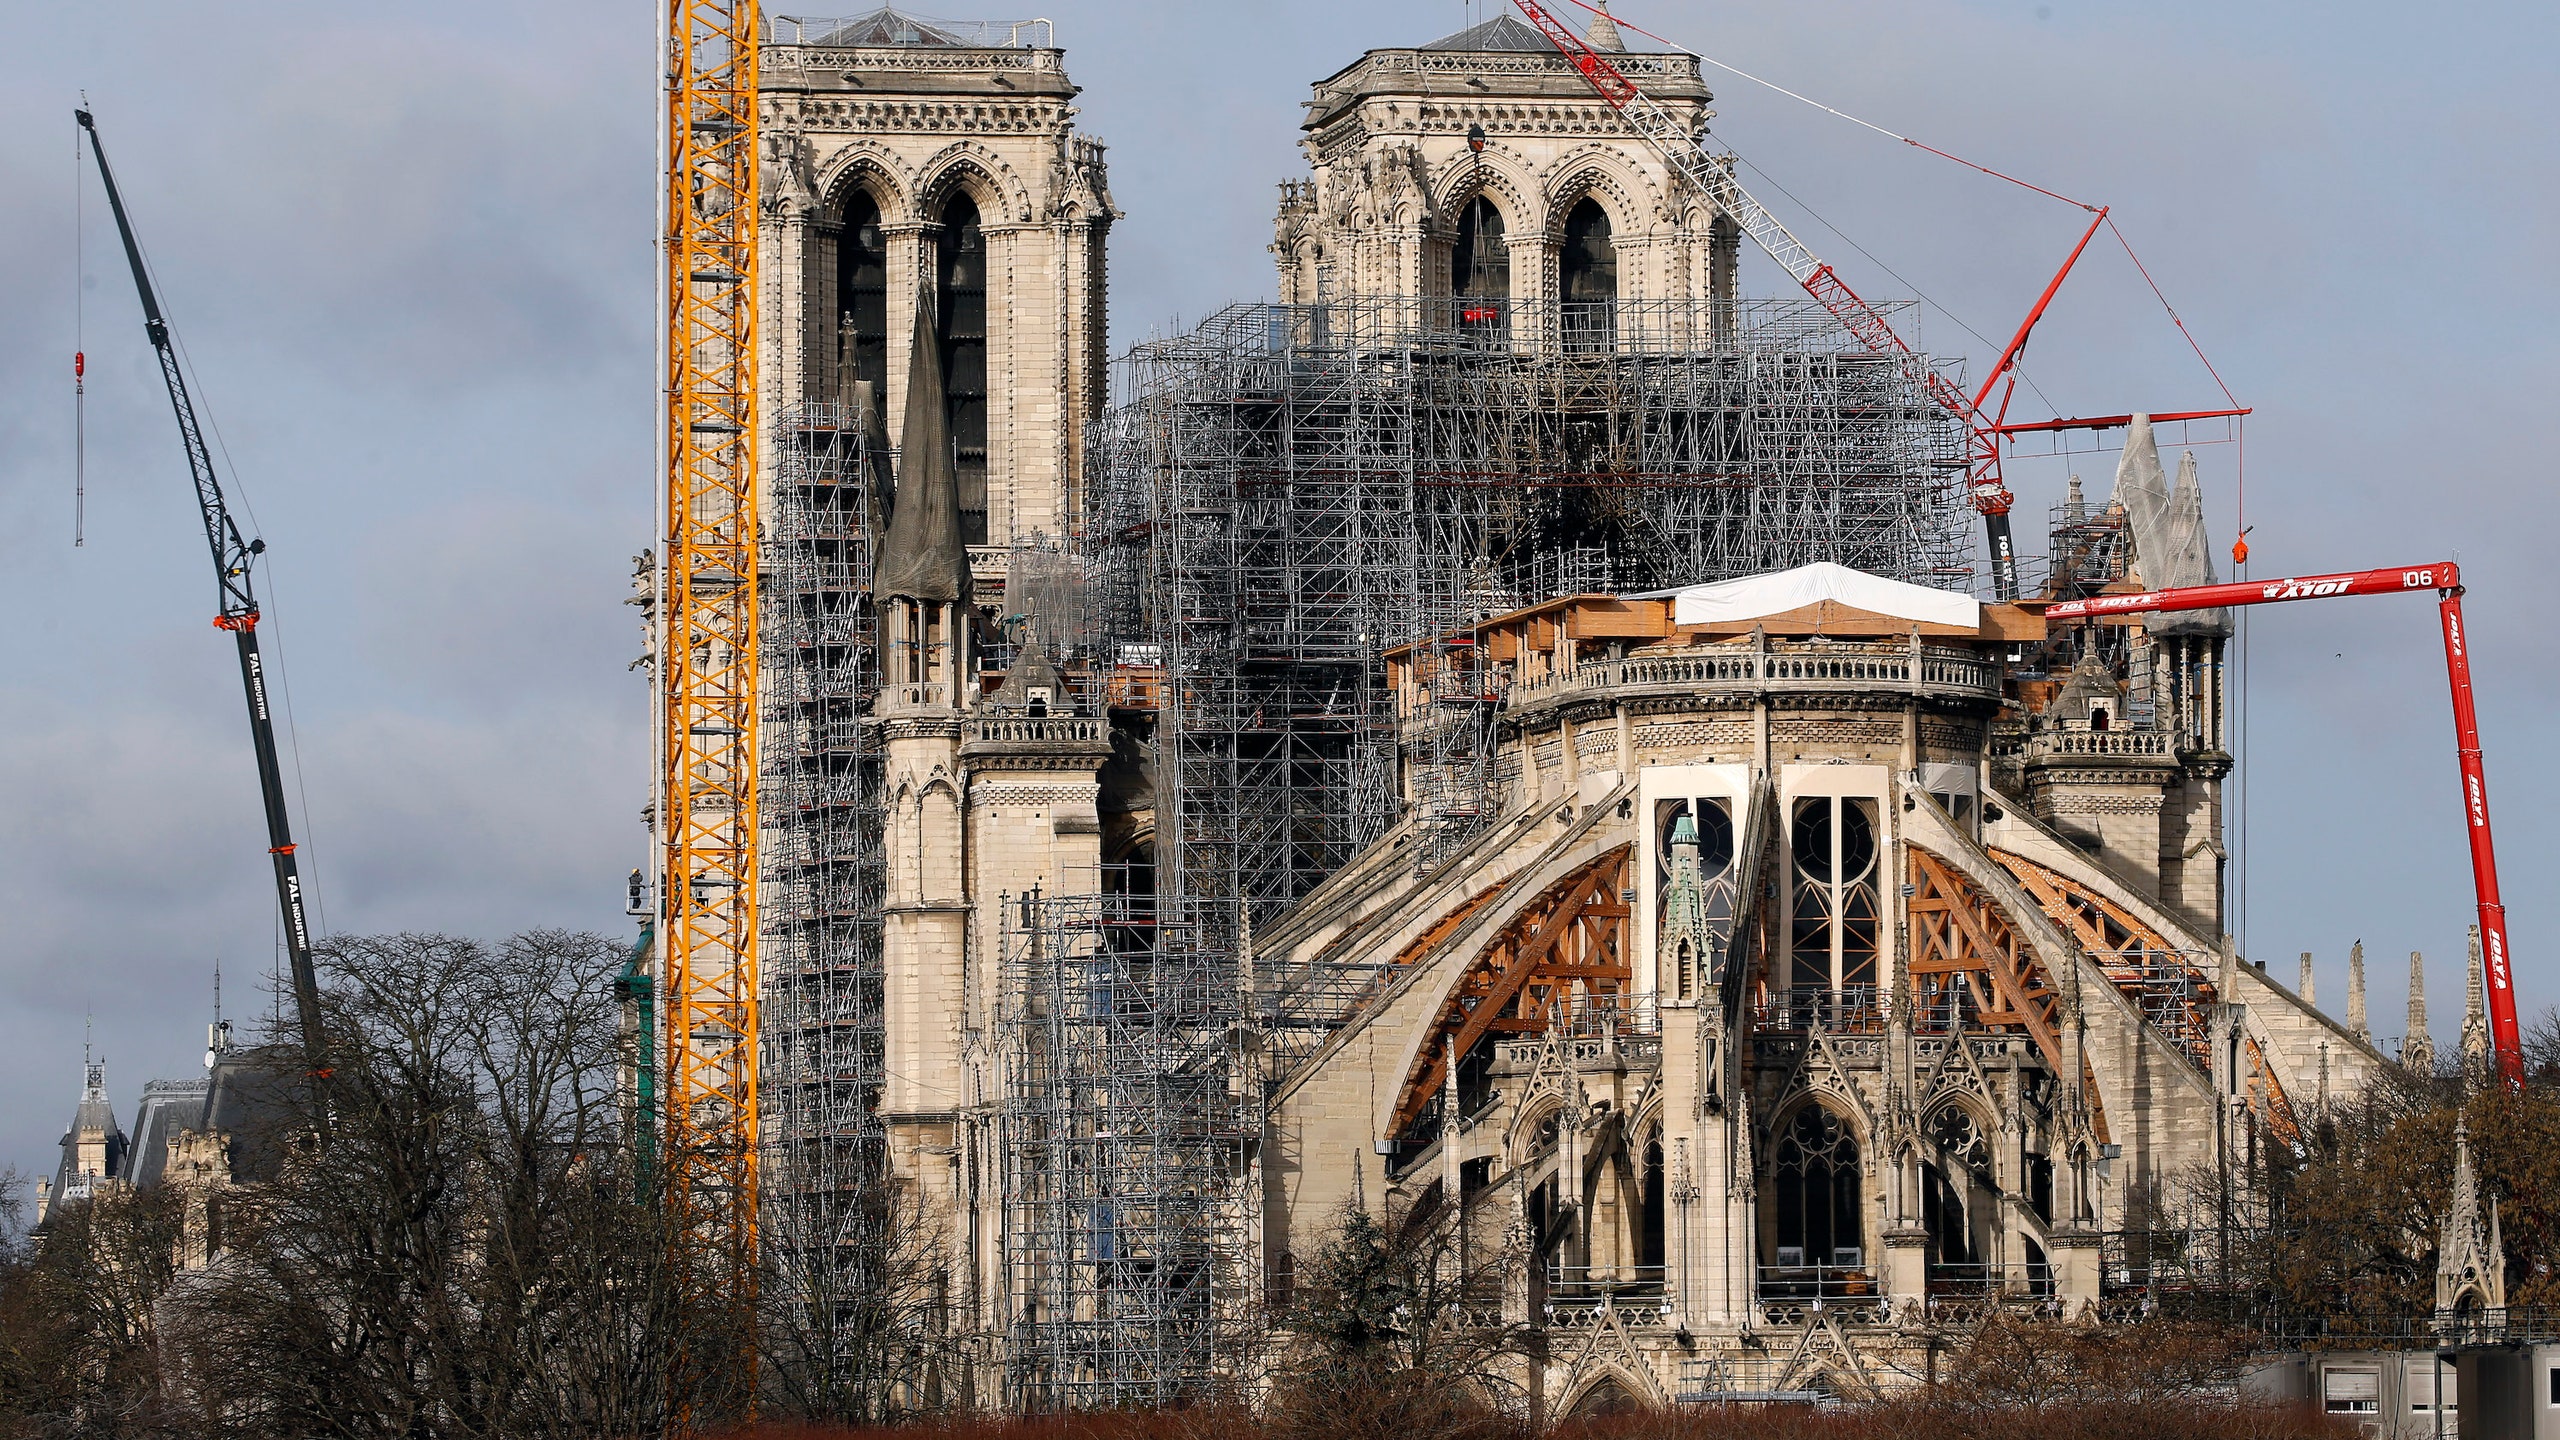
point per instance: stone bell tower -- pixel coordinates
(1483, 166)
(936, 164)
(928, 683)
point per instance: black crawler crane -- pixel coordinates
(233, 558)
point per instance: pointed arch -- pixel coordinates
(1571, 937)
(971, 168)
(872, 169)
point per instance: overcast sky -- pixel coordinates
(409, 250)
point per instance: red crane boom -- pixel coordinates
(1712, 174)
(2446, 580)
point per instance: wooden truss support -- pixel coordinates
(1573, 933)
(2133, 953)
(1956, 930)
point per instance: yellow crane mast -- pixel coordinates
(707, 665)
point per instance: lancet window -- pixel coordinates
(1587, 278)
(960, 325)
(1694, 876)
(1834, 909)
(862, 289)
(1816, 1180)
(1480, 265)
(1957, 1155)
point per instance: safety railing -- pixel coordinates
(1817, 1282)
(2030, 1278)
(898, 29)
(1850, 1007)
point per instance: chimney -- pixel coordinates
(2308, 998)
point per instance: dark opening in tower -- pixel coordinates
(862, 288)
(1587, 279)
(961, 328)
(1480, 265)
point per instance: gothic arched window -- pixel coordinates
(1587, 278)
(862, 295)
(1815, 1173)
(960, 325)
(1480, 263)
(1832, 936)
(1946, 1181)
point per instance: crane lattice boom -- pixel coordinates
(707, 635)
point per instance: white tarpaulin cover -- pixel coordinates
(1755, 596)
(2169, 547)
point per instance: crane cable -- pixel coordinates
(2240, 455)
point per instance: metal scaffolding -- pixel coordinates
(1288, 494)
(825, 871)
(1125, 1137)
(1291, 491)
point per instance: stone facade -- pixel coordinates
(907, 144)
(1394, 172)
(1807, 981)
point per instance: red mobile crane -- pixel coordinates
(2446, 580)
(238, 613)
(1985, 430)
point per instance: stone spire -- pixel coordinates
(1685, 939)
(2471, 1254)
(2475, 1016)
(2417, 1047)
(2309, 997)
(923, 557)
(2355, 994)
(1603, 34)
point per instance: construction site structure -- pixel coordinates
(917, 173)
(708, 653)
(1501, 732)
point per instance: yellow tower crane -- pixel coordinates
(706, 806)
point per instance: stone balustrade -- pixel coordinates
(1934, 672)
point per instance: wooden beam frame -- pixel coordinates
(1574, 930)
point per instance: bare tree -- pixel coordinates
(79, 1333)
(458, 1242)
(1397, 1329)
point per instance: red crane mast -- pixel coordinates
(2446, 580)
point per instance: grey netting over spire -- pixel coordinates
(923, 557)
(2142, 487)
(2169, 546)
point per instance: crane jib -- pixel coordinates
(233, 559)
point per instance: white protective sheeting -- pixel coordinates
(2169, 545)
(1754, 597)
